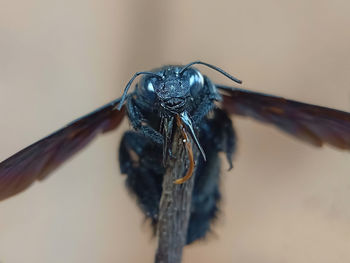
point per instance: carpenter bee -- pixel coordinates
(163, 99)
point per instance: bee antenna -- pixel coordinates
(212, 67)
(131, 81)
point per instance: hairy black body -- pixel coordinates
(140, 158)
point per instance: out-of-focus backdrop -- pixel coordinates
(284, 201)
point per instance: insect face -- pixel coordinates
(174, 90)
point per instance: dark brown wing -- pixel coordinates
(39, 159)
(311, 123)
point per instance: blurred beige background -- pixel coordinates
(283, 202)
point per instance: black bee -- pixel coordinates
(162, 98)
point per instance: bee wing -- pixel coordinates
(39, 159)
(314, 124)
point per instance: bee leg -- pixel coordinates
(139, 122)
(205, 106)
(207, 102)
(141, 160)
(225, 135)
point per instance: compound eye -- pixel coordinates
(195, 81)
(147, 87)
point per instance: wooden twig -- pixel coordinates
(175, 204)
